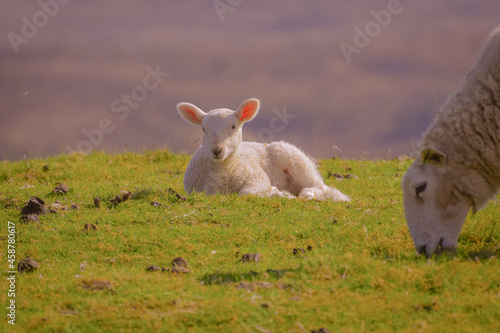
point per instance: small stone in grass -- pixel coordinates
(335, 175)
(61, 189)
(30, 218)
(97, 202)
(153, 268)
(179, 265)
(255, 257)
(157, 204)
(27, 265)
(180, 262)
(55, 207)
(89, 226)
(177, 195)
(35, 205)
(121, 197)
(339, 176)
(298, 250)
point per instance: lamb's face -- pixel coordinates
(435, 210)
(221, 127)
(221, 134)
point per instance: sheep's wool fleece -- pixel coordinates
(467, 128)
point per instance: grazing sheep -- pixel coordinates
(459, 164)
(226, 164)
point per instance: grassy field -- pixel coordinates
(354, 267)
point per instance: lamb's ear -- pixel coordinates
(191, 113)
(248, 109)
(432, 156)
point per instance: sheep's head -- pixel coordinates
(435, 208)
(221, 127)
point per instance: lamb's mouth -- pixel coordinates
(217, 153)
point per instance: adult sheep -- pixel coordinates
(459, 163)
(226, 164)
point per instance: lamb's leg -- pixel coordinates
(323, 193)
(264, 191)
(300, 173)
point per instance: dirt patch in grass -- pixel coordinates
(34, 206)
(121, 197)
(89, 227)
(61, 188)
(251, 257)
(27, 265)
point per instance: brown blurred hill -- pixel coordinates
(286, 53)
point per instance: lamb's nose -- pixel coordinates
(217, 152)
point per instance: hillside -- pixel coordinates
(65, 79)
(337, 266)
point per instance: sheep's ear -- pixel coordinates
(191, 113)
(432, 156)
(248, 109)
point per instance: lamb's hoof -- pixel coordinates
(307, 193)
(326, 193)
(339, 196)
(281, 195)
(275, 192)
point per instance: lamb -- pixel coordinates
(459, 163)
(224, 163)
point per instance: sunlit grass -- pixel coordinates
(358, 271)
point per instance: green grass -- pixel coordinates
(361, 273)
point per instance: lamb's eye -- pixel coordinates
(420, 188)
(203, 129)
(234, 126)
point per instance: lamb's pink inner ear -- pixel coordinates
(191, 115)
(248, 112)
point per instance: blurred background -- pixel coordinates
(351, 79)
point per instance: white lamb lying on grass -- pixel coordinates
(226, 164)
(459, 165)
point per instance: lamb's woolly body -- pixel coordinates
(256, 163)
(226, 164)
(229, 176)
(459, 164)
